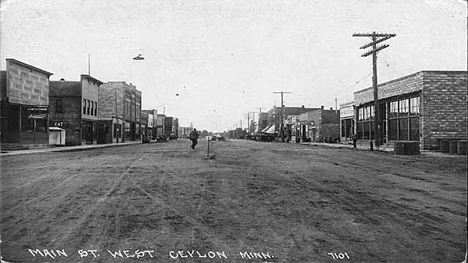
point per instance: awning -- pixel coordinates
(266, 128)
(271, 129)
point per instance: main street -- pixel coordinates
(252, 202)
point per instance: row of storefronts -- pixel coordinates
(88, 111)
(426, 107)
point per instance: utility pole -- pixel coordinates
(376, 38)
(282, 113)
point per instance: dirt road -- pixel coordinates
(254, 202)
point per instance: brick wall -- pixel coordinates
(111, 100)
(444, 107)
(404, 85)
(26, 85)
(330, 117)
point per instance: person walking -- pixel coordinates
(194, 138)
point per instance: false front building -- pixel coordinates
(24, 104)
(74, 108)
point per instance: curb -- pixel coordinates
(66, 149)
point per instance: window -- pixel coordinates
(393, 109)
(414, 106)
(95, 109)
(58, 106)
(403, 110)
(87, 106)
(84, 106)
(92, 107)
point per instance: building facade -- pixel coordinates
(152, 114)
(346, 121)
(160, 124)
(317, 125)
(24, 104)
(168, 126)
(120, 112)
(74, 108)
(427, 106)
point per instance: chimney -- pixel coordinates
(303, 106)
(322, 107)
(331, 108)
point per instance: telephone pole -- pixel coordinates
(376, 38)
(282, 113)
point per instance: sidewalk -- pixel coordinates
(67, 148)
(362, 147)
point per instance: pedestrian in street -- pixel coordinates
(194, 138)
(354, 137)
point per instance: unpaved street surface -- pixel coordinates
(254, 202)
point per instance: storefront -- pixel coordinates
(346, 121)
(427, 106)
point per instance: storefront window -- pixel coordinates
(393, 113)
(403, 131)
(414, 128)
(392, 129)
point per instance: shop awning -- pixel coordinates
(271, 129)
(266, 128)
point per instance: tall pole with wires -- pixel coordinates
(282, 114)
(376, 38)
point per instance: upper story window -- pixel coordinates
(87, 106)
(58, 106)
(84, 106)
(95, 109)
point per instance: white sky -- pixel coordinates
(226, 58)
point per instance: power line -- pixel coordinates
(376, 39)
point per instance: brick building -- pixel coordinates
(317, 125)
(119, 113)
(24, 114)
(427, 106)
(74, 108)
